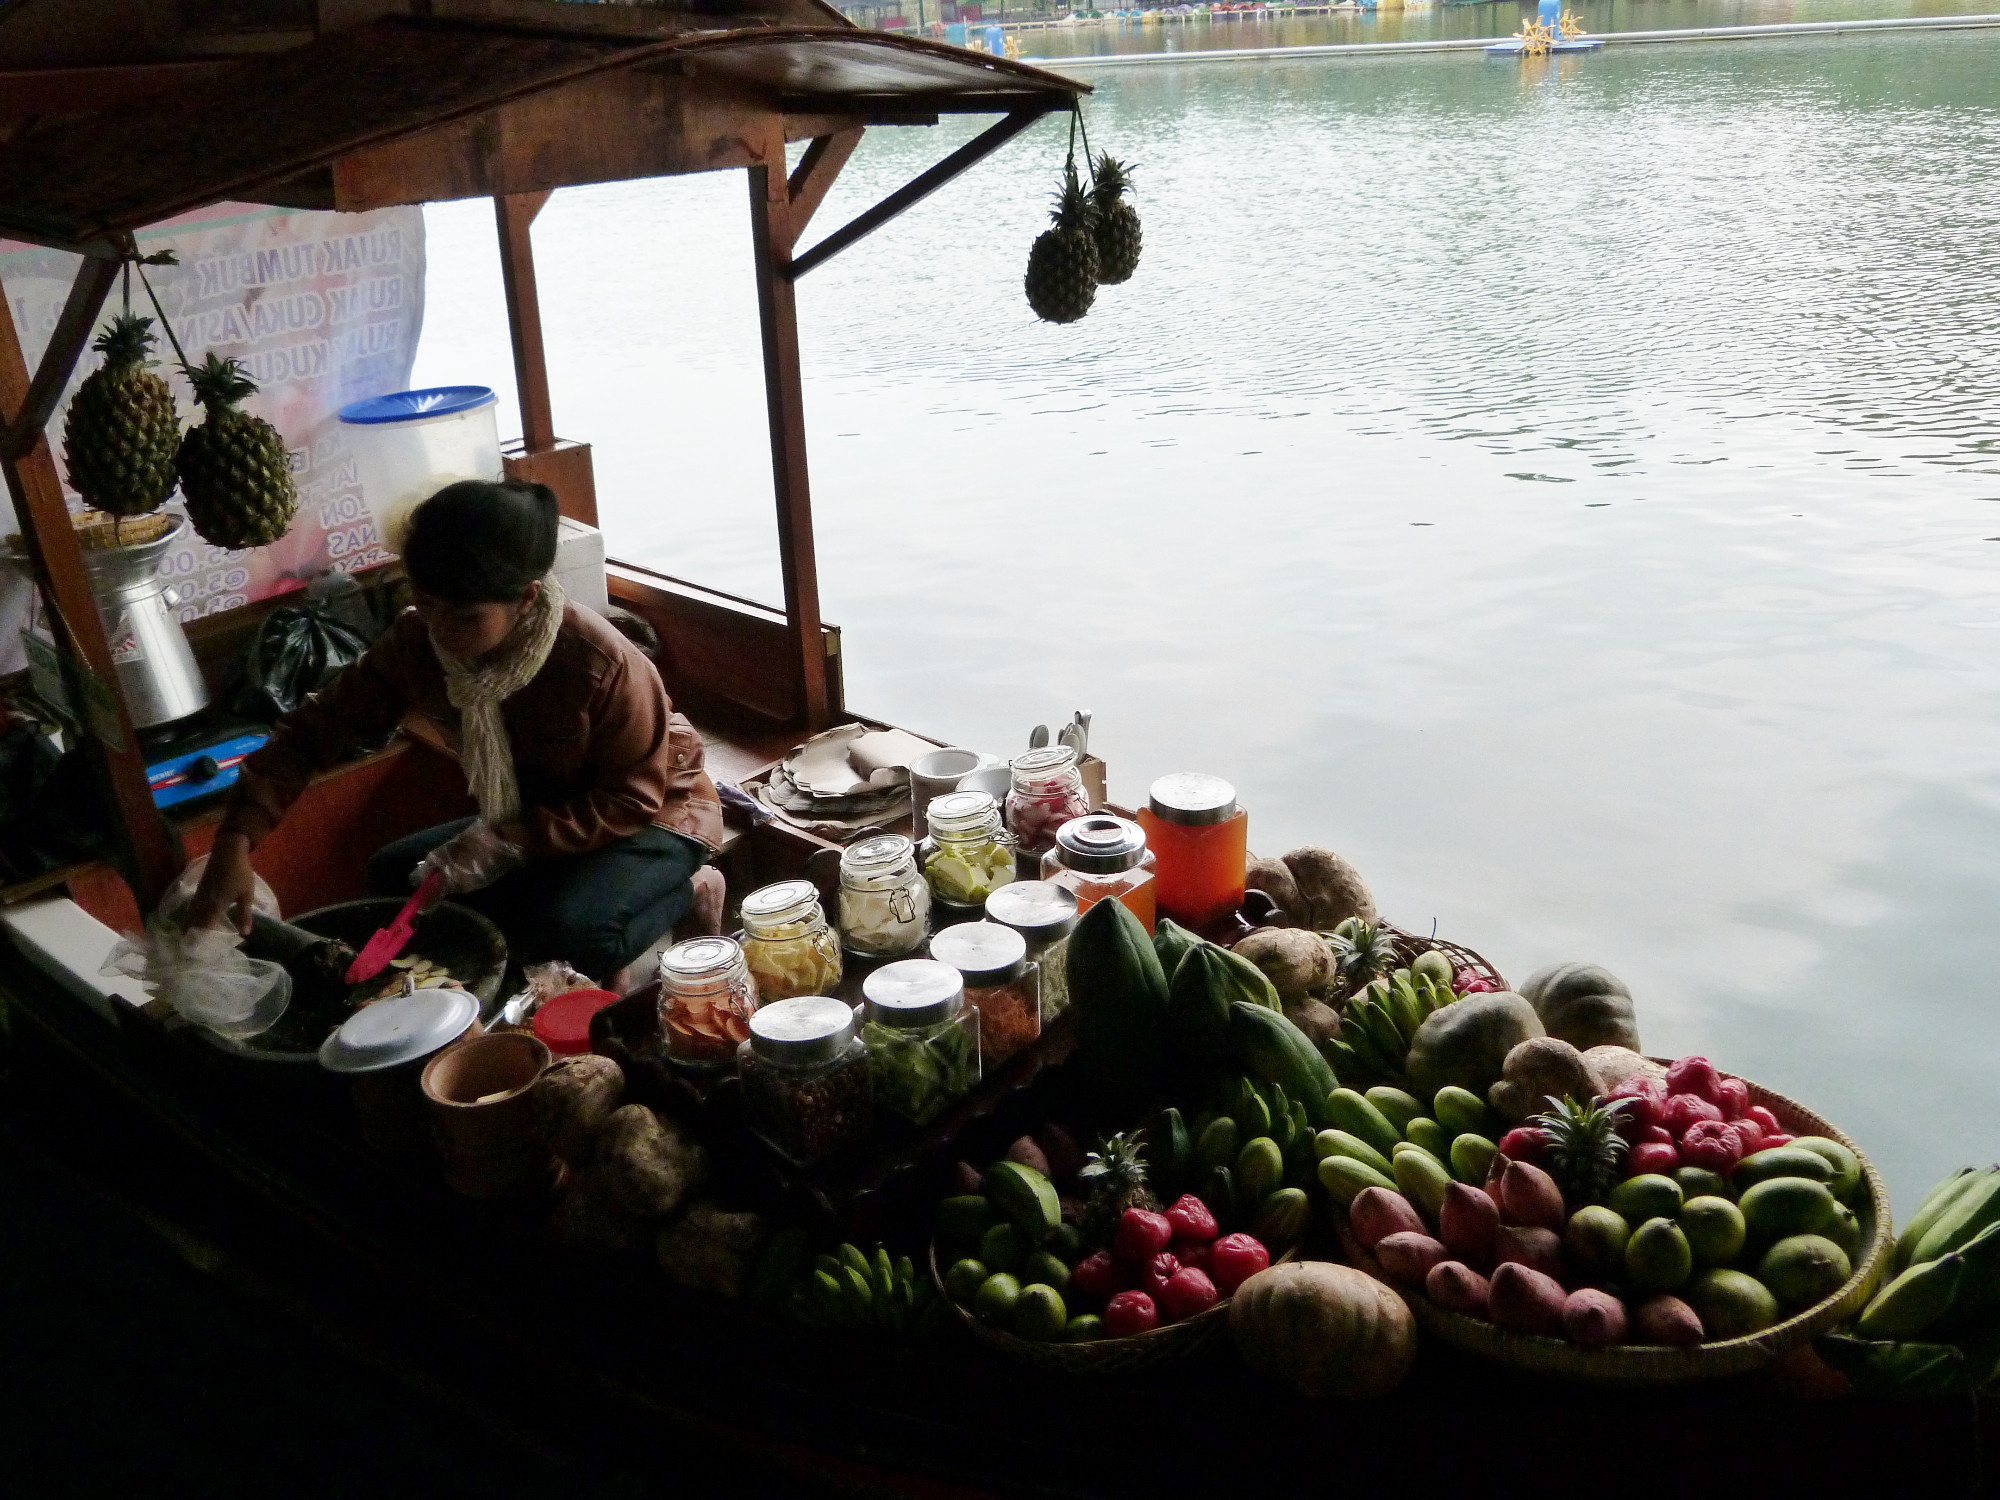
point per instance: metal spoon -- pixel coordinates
(1038, 737)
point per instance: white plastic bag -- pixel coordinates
(205, 976)
(175, 901)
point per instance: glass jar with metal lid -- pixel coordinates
(1047, 793)
(1104, 858)
(806, 1085)
(1044, 913)
(786, 942)
(968, 854)
(706, 1000)
(1001, 983)
(922, 1038)
(1200, 838)
(885, 905)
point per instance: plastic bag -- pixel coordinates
(300, 646)
(204, 975)
(174, 903)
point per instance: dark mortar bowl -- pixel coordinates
(466, 943)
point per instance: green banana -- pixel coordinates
(1979, 1289)
(1913, 1301)
(884, 1282)
(1968, 1213)
(1254, 1115)
(1353, 1113)
(1904, 1369)
(1400, 1107)
(1342, 1143)
(1341, 1058)
(1369, 1052)
(1404, 1007)
(1381, 1029)
(851, 1255)
(1344, 1177)
(1937, 1202)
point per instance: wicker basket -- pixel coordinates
(1411, 945)
(1170, 1341)
(1644, 1364)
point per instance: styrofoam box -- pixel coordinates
(580, 564)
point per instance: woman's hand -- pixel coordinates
(470, 861)
(228, 887)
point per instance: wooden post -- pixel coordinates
(149, 853)
(514, 214)
(778, 209)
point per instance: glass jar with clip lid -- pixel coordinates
(1047, 793)
(707, 998)
(787, 943)
(967, 856)
(885, 904)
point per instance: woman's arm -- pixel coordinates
(360, 707)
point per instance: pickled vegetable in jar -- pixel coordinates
(786, 942)
(968, 854)
(1200, 838)
(1000, 983)
(1047, 793)
(1044, 913)
(1103, 858)
(806, 1084)
(922, 1038)
(885, 903)
(707, 998)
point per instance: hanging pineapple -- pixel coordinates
(1116, 227)
(1062, 265)
(235, 473)
(122, 429)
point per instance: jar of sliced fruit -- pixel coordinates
(885, 903)
(1047, 793)
(706, 1000)
(787, 943)
(1044, 913)
(1001, 983)
(968, 854)
(922, 1038)
(806, 1087)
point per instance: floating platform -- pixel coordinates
(1512, 48)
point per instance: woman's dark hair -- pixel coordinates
(477, 542)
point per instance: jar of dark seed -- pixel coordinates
(805, 1077)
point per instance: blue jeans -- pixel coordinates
(597, 911)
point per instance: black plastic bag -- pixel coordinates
(296, 650)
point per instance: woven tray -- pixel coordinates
(1646, 1364)
(1411, 945)
(1162, 1345)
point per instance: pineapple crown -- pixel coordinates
(1362, 955)
(1116, 1163)
(220, 383)
(1074, 209)
(127, 340)
(1111, 179)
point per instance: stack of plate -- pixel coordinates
(821, 787)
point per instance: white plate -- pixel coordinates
(399, 1030)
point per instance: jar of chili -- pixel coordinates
(806, 1085)
(922, 1038)
(1047, 793)
(1104, 858)
(885, 905)
(1201, 839)
(1001, 983)
(707, 998)
(967, 855)
(1044, 913)
(786, 942)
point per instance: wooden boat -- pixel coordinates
(366, 108)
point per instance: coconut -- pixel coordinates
(1318, 1020)
(1298, 963)
(1536, 1070)
(1332, 889)
(1272, 878)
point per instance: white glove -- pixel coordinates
(470, 861)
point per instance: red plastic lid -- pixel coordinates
(563, 1023)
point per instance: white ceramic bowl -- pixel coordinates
(401, 1030)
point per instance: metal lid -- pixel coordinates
(1190, 798)
(701, 958)
(984, 952)
(798, 1033)
(399, 1030)
(1040, 910)
(960, 812)
(876, 854)
(913, 992)
(415, 406)
(1099, 844)
(788, 898)
(1048, 761)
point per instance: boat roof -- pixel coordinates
(477, 97)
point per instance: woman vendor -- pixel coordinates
(595, 814)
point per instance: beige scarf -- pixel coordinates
(478, 691)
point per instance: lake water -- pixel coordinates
(1571, 490)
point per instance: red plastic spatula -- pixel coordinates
(388, 942)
